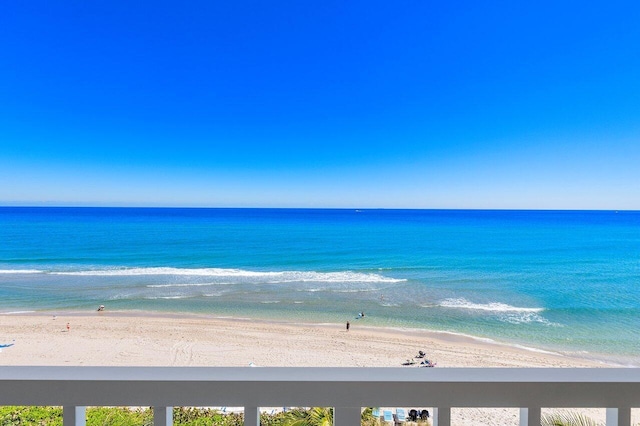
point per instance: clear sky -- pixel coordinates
(358, 103)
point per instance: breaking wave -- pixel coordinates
(492, 307)
(184, 285)
(20, 271)
(271, 276)
(503, 312)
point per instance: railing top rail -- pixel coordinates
(332, 387)
(322, 374)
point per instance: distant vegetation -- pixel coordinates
(187, 416)
(191, 416)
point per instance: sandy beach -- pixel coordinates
(120, 339)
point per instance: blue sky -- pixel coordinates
(416, 104)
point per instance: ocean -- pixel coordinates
(559, 281)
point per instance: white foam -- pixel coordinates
(167, 297)
(208, 272)
(523, 318)
(495, 342)
(20, 271)
(330, 277)
(184, 285)
(492, 307)
(505, 313)
(530, 349)
(355, 290)
(16, 312)
(334, 290)
(272, 276)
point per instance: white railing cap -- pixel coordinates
(323, 374)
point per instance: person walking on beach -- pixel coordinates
(68, 327)
(348, 325)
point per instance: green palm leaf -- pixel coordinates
(316, 416)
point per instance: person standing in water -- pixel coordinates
(348, 325)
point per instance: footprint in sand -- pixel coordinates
(181, 353)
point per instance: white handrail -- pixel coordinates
(346, 389)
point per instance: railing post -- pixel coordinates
(162, 416)
(347, 416)
(619, 416)
(251, 416)
(74, 416)
(530, 416)
(441, 416)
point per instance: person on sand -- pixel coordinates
(348, 325)
(68, 327)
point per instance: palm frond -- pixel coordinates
(316, 416)
(321, 416)
(568, 418)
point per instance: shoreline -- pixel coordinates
(150, 338)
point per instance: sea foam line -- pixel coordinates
(185, 285)
(462, 303)
(273, 276)
(168, 297)
(207, 272)
(20, 271)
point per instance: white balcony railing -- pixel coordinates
(346, 389)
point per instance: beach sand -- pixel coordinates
(131, 339)
(108, 338)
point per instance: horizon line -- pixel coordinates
(307, 208)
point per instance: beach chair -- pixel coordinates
(424, 415)
(400, 415)
(375, 412)
(427, 363)
(413, 415)
(387, 416)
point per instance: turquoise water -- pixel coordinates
(564, 281)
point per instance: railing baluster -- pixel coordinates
(251, 416)
(441, 416)
(74, 416)
(347, 416)
(162, 416)
(524, 419)
(619, 416)
(530, 416)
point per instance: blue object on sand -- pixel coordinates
(7, 345)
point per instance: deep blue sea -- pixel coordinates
(563, 281)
